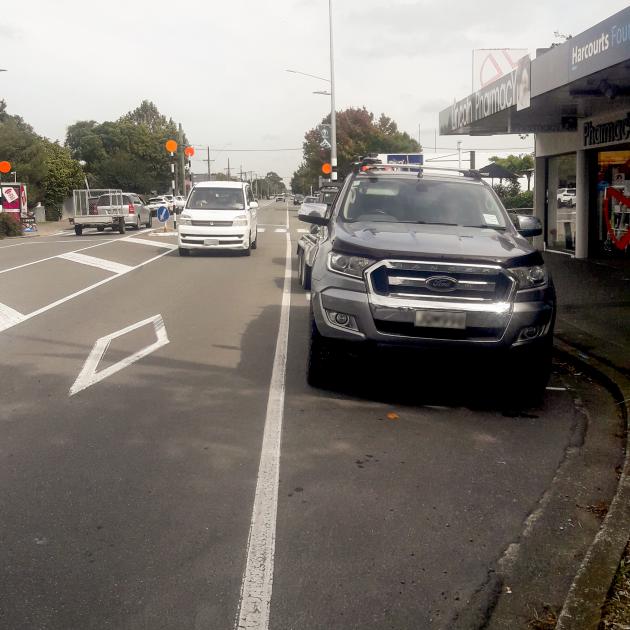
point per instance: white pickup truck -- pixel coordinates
(100, 209)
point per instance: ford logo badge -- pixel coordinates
(443, 284)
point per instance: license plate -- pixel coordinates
(211, 241)
(441, 319)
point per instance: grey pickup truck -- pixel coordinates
(429, 259)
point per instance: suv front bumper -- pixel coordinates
(391, 321)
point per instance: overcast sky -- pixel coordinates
(219, 67)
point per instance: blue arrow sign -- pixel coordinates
(163, 214)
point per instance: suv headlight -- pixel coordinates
(348, 265)
(530, 277)
(241, 219)
(185, 220)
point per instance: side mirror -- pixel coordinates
(253, 205)
(313, 213)
(527, 225)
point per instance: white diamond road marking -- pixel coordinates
(9, 317)
(89, 376)
(92, 261)
(145, 241)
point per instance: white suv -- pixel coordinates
(218, 215)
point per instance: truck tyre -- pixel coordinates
(137, 226)
(100, 228)
(528, 371)
(150, 220)
(255, 242)
(121, 226)
(78, 229)
(184, 252)
(321, 358)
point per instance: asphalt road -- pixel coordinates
(130, 469)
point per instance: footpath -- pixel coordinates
(593, 332)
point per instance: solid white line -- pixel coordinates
(9, 317)
(145, 241)
(89, 376)
(92, 261)
(76, 294)
(260, 230)
(308, 296)
(280, 230)
(557, 389)
(257, 586)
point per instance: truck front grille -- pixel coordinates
(439, 281)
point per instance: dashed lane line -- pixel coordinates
(93, 261)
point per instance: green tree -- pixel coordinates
(358, 133)
(127, 153)
(521, 165)
(63, 174)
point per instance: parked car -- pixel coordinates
(297, 200)
(566, 197)
(157, 202)
(219, 215)
(426, 259)
(138, 213)
(328, 194)
(179, 202)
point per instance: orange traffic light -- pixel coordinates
(189, 152)
(326, 168)
(5, 167)
(171, 146)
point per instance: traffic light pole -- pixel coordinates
(333, 113)
(173, 189)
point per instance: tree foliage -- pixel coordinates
(521, 165)
(47, 169)
(127, 153)
(358, 133)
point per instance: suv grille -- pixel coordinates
(439, 281)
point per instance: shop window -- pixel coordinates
(613, 203)
(561, 202)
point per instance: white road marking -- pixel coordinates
(257, 586)
(92, 261)
(280, 230)
(9, 317)
(557, 389)
(146, 241)
(89, 376)
(301, 231)
(308, 296)
(260, 230)
(76, 294)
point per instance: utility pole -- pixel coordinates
(182, 162)
(333, 113)
(228, 170)
(209, 173)
(459, 154)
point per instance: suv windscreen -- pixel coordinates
(328, 197)
(216, 199)
(421, 201)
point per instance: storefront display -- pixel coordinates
(613, 203)
(561, 203)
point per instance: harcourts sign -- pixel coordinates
(600, 47)
(605, 132)
(494, 98)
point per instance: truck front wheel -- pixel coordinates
(78, 229)
(121, 226)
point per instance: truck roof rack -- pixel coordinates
(365, 166)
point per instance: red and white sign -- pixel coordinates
(490, 64)
(23, 200)
(9, 194)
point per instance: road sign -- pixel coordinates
(325, 132)
(163, 214)
(324, 144)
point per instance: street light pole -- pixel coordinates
(333, 113)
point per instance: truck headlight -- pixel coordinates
(530, 277)
(241, 219)
(185, 220)
(348, 265)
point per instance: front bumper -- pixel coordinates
(197, 237)
(391, 321)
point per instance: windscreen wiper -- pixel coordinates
(500, 228)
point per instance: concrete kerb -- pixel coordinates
(583, 605)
